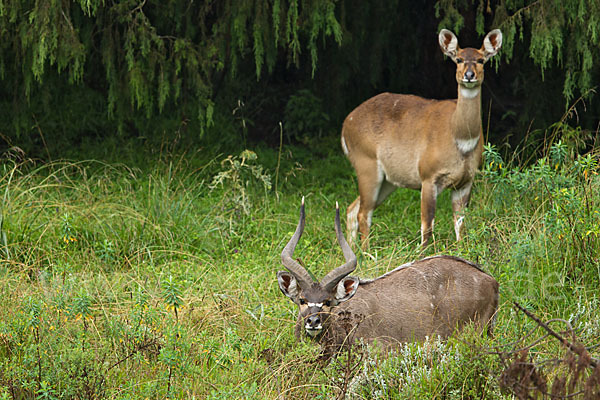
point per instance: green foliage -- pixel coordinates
(158, 297)
(561, 33)
(78, 71)
(172, 294)
(80, 308)
(3, 240)
(239, 178)
(568, 213)
(245, 391)
(146, 57)
(304, 117)
(67, 231)
(106, 252)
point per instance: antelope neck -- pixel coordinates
(466, 121)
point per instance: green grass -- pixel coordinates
(147, 281)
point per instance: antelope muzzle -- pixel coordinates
(313, 322)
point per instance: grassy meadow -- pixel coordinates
(154, 276)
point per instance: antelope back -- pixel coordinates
(429, 297)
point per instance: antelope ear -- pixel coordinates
(492, 43)
(288, 284)
(448, 43)
(346, 288)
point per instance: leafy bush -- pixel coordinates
(304, 118)
(239, 178)
(562, 192)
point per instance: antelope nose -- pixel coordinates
(313, 321)
(469, 75)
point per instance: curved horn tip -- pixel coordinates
(337, 206)
(302, 200)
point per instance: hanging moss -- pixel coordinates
(147, 54)
(77, 68)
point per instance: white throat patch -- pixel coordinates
(467, 145)
(469, 93)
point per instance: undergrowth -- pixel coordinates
(129, 282)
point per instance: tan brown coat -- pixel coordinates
(396, 140)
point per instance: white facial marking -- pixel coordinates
(320, 305)
(313, 331)
(469, 93)
(467, 145)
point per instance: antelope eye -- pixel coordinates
(302, 301)
(327, 303)
(480, 61)
(459, 60)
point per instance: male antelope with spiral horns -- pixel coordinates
(430, 297)
(397, 140)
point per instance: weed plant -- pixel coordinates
(158, 281)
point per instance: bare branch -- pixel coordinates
(579, 350)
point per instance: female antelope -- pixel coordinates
(397, 140)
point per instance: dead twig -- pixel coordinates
(579, 350)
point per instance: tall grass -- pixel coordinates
(159, 281)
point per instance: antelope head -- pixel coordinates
(469, 61)
(316, 299)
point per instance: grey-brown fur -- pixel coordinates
(430, 297)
